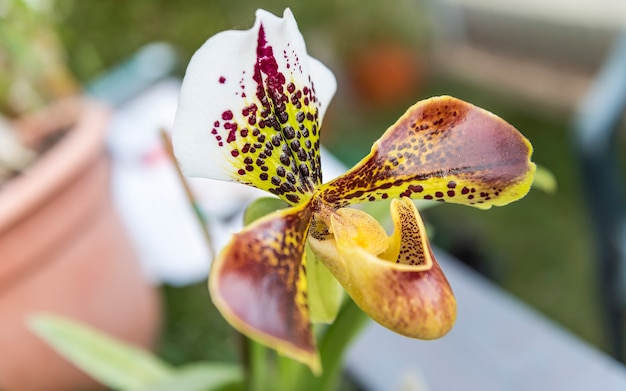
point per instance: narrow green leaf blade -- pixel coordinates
(545, 180)
(202, 377)
(325, 294)
(262, 206)
(107, 360)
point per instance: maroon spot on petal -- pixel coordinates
(222, 80)
(227, 116)
(438, 194)
(234, 153)
(251, 109)
(451, 193)
(241, 171)
(293, 198)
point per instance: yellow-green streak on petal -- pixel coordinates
(441, 149)
(325, 294)
(258, 283)
(409, 293)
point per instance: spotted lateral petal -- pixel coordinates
(441, 149)
(401, 287)
(258, 283)
(250, 109)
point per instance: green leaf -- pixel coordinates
(544, 180)
(202, 377)
(261, 207)
(332, 346)
(107, 360)
(325, 293)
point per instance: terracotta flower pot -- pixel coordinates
(63, 250)
(386, 74)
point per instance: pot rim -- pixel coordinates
(58, 166)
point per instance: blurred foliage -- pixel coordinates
(194, 330)
(33, 70)
(89, 28)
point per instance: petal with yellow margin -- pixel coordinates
(259, 285)
(441, 149)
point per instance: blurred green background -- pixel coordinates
(387, 55)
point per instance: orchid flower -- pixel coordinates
(250, 110)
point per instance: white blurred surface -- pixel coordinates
(590, 13)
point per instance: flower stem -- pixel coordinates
(258, 369)
(332, 347)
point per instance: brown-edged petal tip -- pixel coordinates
(259, 285)
(441, 149)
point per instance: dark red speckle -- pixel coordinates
(266, 64)
(222, 80)
(227, 115)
